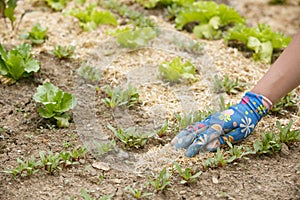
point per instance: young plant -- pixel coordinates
(268, 144)
(261, 40)
(163, 130)
(57, 5)
(63, 52)
(89, 73)
(24, 168)
(212, 18)
(130, 137)
(37, 34)
(118, 97)
(7, 10)
(238, 152)
(288, 102)
(217, 161)
(103, 147)
(66, 159)
(51, 161)
(78, 153)
(90, 17)
(227, 85)
(137, 193)
(135, 38)
(55, 103)
(18, 62)
(161, 181)
(137, 19)
(188, 175)
(286, 135)
(176, 70)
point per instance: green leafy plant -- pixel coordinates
(184, 120)
(212, 18)
(218, 160)
(229, 86)
(50, 161)
(163, 130)
(90, 17)
(130, 137)
(286, 135)
(7, 10)
(288, 102)
(78, 153)
(188, 175)
(57, 5)
(136, 18)
(238, 152)
(176, 70)
(105, 147)
(24, 168)
(37, 34)
(261, 40)
(55, 103)
(66, 159)
(18, 62)
(89, 72)
(63, 51)
(137, 193)
(161, 181)
(268, 144)
(135, 38)
(118, 97)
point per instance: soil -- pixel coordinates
(24, 134)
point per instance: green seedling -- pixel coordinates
(117, 97)
(268, 144)
(55, 103)
(18, 62)
(238, 152)
(130, 137)
(185, 120)
(67, 144)
(217, 161)
(37, 34)
(188, 175)
(137, 193)
(134, 38)
(78, 153)
(24, 168)
(63, 52)
(161, 181)
(286, 135)
(103, 148)
(177, 70)
(57, 5)
(137, 19)
(163, 130)
(50, 161)
(90, 17)
(229, 86)
(89, 73)
(66, 159)
(288, 102)
(7, 10)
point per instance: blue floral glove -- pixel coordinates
(234, 124)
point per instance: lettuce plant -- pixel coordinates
(55, 103)
(18, 62)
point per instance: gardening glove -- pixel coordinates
(234, 124)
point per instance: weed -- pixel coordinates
(188, 175)
(37, 34)
(118, 97)
(286, 135)
(130, 137)
(161, 181)
(63, 52)
(229, 86)
(288, 102)
(268, 144)
(137, 193)
(163, 130)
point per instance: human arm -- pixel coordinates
(238, 121)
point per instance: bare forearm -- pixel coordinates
(284, 74)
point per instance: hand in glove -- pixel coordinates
(234, 124)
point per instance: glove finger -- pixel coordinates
(188, 135)
(235, 135)
(206, 139)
